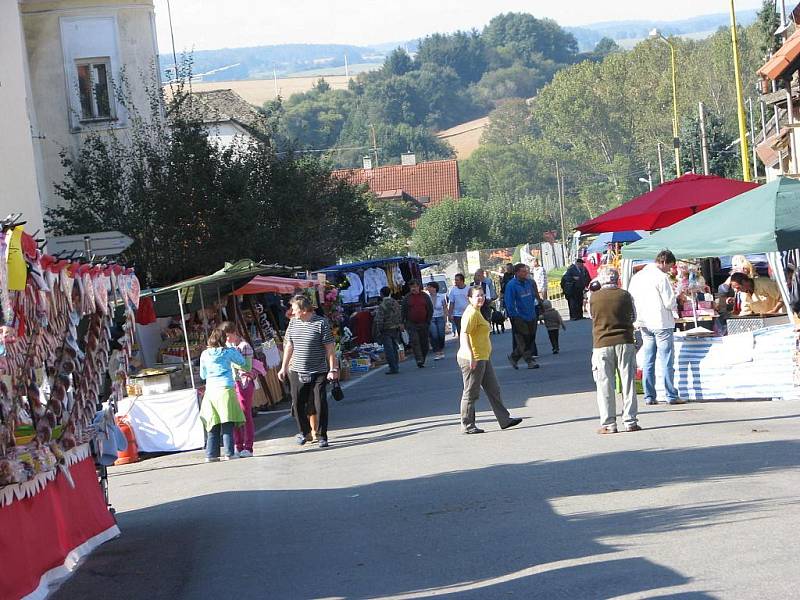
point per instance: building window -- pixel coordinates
(94, 89)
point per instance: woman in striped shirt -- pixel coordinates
(309, 362)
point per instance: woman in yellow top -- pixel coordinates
(475, 360)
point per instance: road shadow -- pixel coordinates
(484, 533)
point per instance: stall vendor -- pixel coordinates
(760, 296)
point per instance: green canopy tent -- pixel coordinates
(763, 220)
(191, 294)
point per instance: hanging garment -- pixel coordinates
(147, 311)
(17, 270)
(353, 293)
(397, 276)
(361, 325)
(374, 280)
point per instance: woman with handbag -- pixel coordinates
(475, 361)
(309, 362)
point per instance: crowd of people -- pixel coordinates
(420, 321)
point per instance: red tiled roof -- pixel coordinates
(435, 179)
(783, 58)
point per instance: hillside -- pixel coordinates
(627, 33)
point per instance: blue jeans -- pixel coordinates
(437, 330)
(390, 350)
(658, 342)
(212, 441)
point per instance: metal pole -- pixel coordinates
(203, 308)
(649, 177)
(790, 116)
(753, 137)
(676, 142)
(561, 204)
(186, 340)
(703, 138)
(172, 37)
(762, 105)
(660, 163)
(87, 247)
(739, 99)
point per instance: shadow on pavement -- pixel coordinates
(483, 533)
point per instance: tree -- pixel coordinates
(464, 52)
(452, 226)
(398, 63)
(521, 37)
(190, 204)
(767, 22)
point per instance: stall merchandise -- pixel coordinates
(361, 282)
(51, 384)
(763, 220)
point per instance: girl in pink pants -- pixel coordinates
(245, 388)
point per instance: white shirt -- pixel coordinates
(540, 277)
(653, 298)
(439, 304)
(374, 280)
(352, 293)
(458, 298)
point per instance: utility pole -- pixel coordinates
(275, 80)
(649, 176)
(660, 163)
(740, 98)
(172, 38)
(753, 138)
(703, 138)
(374, 144)
(560, 188)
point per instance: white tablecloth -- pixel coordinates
(751, 365)
(165, 422)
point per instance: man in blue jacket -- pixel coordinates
(521, 297)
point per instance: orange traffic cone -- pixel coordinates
(131, 454)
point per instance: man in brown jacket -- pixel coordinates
(613, 350)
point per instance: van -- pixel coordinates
(439, 278)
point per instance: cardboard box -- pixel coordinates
(360, 365)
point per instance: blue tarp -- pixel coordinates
(366, 264)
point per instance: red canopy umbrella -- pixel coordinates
(669, 203)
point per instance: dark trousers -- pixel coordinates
(575, 302)
(524, 339)
(456, 321)
(312, 391)
(553, 335)
(390, 349)
(225, 430)
(419, 338)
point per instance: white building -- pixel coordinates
(59, 60)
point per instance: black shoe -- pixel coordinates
(472, 430)
(392, 372)
(533, 365)
(512, 423)
(421, 365)
(512, 361)
(555, 350)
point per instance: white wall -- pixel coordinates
(19, 190)
(120, 28)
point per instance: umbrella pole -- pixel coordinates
(186, 340)
(203, 308)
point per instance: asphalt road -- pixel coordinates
(701, 504)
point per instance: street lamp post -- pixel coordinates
(676, 142)
(739, 99)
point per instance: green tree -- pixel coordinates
(452, 226)
(190, 204)
(767, 22)
(398, 63)
(521, 37)
(462, 51)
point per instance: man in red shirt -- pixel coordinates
(417, 315)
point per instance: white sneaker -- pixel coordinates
(245, 454)
(211, 459)
(231, 457)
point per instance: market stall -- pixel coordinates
(58, 363)
(162, 403)
(352, 293)
(758, 362)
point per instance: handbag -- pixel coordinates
(404, 337)
(337, 393)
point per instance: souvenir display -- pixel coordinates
(51, 376)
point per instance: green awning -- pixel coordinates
(765, 219)
(217, 284)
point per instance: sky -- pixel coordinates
(212, 24)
